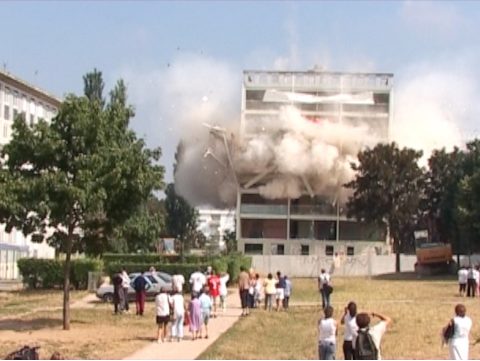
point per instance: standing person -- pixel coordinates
(141, 284)
(195, 314)
(162, 308)
(258, 296)
(177, 302)
(125, 286)
(369, 339)
(206, 308)
(243, 285)
(476, 274)
(252, 281)
(269, 286)
(324, 287)
(197, 281)
(458, 345)
(471, 282)
(223, 291)
(350, 322)
(462, 281)
(177, 282)
(288, 291)
(327, 334)
(118, 300)
(214, 290)
(279, 290)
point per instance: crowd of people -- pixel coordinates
(469, 281)
(253, 291)
(361, 339)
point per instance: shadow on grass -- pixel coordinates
(412, 276)
(19, 325)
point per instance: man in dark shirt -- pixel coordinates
(140, 285)
(118, 300)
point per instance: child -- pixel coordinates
(195, 314)
(206, 307)
(258, 291)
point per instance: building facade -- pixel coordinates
(309, 224)
(214, 223)
(20, 98)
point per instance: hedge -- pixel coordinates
(230, 264)
(48, 273)
(153, 258)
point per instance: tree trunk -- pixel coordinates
(397, 261)
(66, 282)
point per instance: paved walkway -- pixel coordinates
(189, 349)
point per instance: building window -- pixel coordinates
(305, 250)
(329, 250)
(253, 248)
(6, 112)
(32, 120)
(5, 130)
(15, 113)
(278, 249)
(350, 251)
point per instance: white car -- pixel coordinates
(157, 279)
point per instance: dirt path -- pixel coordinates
(189, 349)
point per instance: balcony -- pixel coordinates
(318, 209)
(267, 209)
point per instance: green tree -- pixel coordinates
(440, 196)
(231, 244)
(181, 218)
(468, 207)
(81, 175)
(386, 191)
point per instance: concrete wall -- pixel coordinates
(310, 266)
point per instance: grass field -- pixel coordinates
(419, 308)
(95, 332)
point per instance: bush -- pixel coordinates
(48, 273)
(80, 270)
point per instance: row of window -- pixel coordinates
(6, 114)
(12, 98)
(279, 249)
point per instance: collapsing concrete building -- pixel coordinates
(299, 133)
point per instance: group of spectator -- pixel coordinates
(121, 283)
(207, 290)
(469, 281)
(253, 290)
(361, 340)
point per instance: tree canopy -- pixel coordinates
(386, 190)
(73, 180)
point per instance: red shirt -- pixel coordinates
(214, 285)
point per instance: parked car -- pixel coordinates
(157, 279)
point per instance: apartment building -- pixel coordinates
(214, 223)
(19, 97)
(310, 224)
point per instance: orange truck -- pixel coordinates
(432, 257)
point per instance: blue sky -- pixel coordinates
(52, 44)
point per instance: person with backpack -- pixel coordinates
(141, 284)
(324, 287)
(351, 328)
(327, 335)
(458, 342)
(368, 339)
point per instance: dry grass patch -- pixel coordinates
(420, 308)
(18, 302)
(95, 333)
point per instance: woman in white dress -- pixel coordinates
(458, 344)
